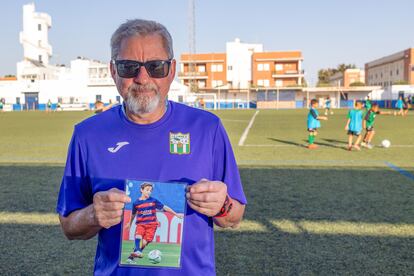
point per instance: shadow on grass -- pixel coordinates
(317, 142)
(335, 141)
(287, 142)
(369, 195)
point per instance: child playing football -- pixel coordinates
(406, 106)
(314, 123)
(368, 124)
(354, 125)
(328, 106)
(368, 103)
(144, 208)
(399, 106)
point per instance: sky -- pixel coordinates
(328, 32)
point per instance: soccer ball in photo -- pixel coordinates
(386, 143)
(155, 256)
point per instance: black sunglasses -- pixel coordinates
(130, 68)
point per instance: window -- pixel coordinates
(391, 73)
(93, 72)
(216, 83)
(266, 83)
(260, 67)
(40, 59)
(118, 99)
(398, 72)
(217, 68)
(39, 43)
(201, 68)
(17, 100)
(279, 83)
(279, 67)
(231, 68)
(260, 82)
(266, 67)
(201, 84)
(39, 27)
(98, 97)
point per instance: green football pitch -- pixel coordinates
(310, 212)
(170, 254)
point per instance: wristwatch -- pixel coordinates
(225, 210)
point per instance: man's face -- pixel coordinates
(146, 191)
(143, 94)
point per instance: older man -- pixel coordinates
(138, 140)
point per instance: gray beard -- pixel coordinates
(138, 103)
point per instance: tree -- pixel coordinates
(325, 74)
(342, 67)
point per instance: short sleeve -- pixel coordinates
(313, 113)
(75, 190)
(225, 168)
(349, 114)
(158, 205)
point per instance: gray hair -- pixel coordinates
(140, 27)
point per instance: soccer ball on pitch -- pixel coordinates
(155, 256)
(386, 143)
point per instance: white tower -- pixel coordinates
(34, 37)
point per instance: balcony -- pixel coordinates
(192, 75)
(288, 74)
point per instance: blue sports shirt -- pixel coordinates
(313, 122)
(355, 116)
(185, 145)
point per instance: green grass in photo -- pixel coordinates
(170, 254)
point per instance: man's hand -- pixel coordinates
(207, 197)
(107, 207)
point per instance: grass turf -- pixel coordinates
(170, 254)
(325, 212)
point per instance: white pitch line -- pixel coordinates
(246, 131)
(337, 145)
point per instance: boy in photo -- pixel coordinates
(144, 209)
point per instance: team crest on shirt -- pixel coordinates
(179, 143)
